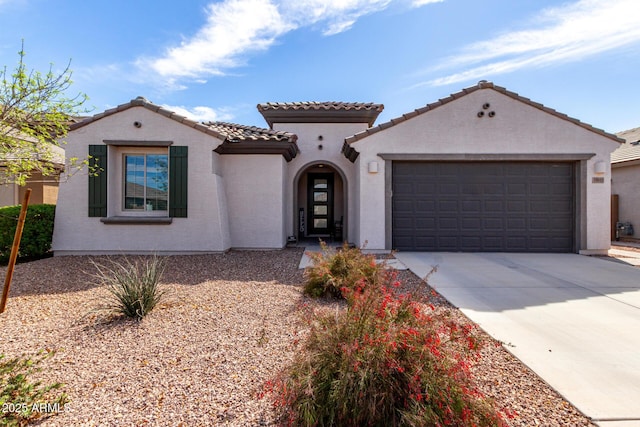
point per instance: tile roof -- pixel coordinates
(218, 129)
(630, 150)
(242, 139)
(142, 102)
(312, 105)
(236, 132)
(482, 84)
(317, 112)
(245, 139)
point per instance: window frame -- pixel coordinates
(106, 195)
(145, 187)
(120, 199)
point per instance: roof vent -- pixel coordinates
(636, 142)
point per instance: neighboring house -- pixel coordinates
(481, 170)
(625, 180)
(44, 189)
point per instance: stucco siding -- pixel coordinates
(8, 195)
(625, 185)
(516, 131)
(255, 197)
(44, 189)
(333, 135)
(203, 229)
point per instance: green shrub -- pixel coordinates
(386, 360)
(133, 287)
(335, 269)
(23, 401)
(36, 235)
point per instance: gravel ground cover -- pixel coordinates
(229, 322)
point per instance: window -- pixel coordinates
(152, 178)
(146, 178)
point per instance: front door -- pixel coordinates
(320, 206)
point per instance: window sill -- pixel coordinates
(162, 220)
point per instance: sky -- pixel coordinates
(216, 60)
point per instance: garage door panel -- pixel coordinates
(539, 207)
(516, 224)
(516, 206)
(483, 206)
(491, 189)
(492, 243)
(516, 188)
(428, 223)
(404, 205)
(425, 187)
(448, 243)
(540, 243)
(471, 223)
(493, 224)
(425, 242)
(561, 189)
(538, 224)
(515, 243)
(470, 189)
(425, 206)
(561, 205)
(493, 206)
(405, 241)
(539, 188)
(448, 188)
(471, 243)
(448, 224)
(558, 224)
(560, 171)
(448, 207)
(471, 207)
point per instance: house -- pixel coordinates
(625, 177)
(44, 188)
(484, 169)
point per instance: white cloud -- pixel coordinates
(560, 34)
(233, 27)
(418, 3)
(201, 114)
(238, 28)
(335, 15)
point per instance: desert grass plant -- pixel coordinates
(133, 286)
(385, 360)
(23, 400)
(345, 267)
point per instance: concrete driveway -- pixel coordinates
(574, 320)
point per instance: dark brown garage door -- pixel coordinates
(483, 206)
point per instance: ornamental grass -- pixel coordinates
(387, 359)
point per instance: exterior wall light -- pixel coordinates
(599, 168)
(373, 167)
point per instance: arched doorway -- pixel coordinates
(320, 202)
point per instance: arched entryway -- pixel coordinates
(320, 202)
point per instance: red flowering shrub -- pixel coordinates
(386, 360)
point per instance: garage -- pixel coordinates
(490, 206)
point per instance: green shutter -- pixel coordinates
(98, 181)
(178, 181)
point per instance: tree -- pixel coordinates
(35, 114)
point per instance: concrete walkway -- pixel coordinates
(574, 320)
(305, 260)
